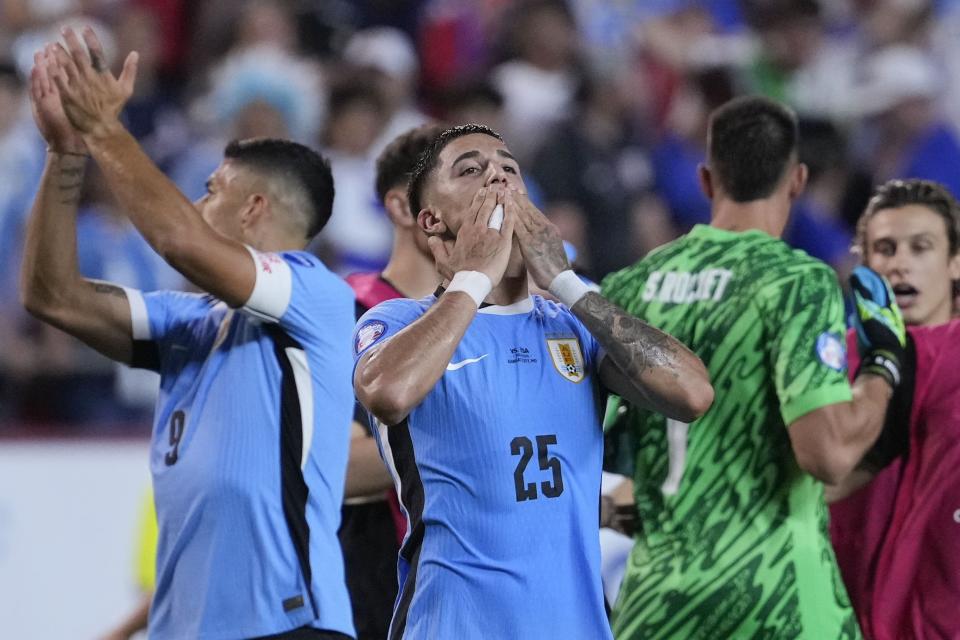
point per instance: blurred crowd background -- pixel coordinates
(604, 102)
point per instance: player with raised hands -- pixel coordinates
(250, 437)
(489, 403)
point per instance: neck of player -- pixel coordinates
(410, 271)
(767, 214)
(512, 288)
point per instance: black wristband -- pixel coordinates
(882, 363)
(894, 439)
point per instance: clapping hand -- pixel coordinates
(92, 97)
(48, 113)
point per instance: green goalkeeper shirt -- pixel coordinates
(733, 536)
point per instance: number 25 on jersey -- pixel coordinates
(523, 447)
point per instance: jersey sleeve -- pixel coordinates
(803, 309)
(381, 323)
(296, 291)
(155, 317)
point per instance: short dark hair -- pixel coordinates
(359, 88)
(752, 139)
(469, 93)
(428, 159)
(900, 193)
(761, 15)
(8, 74)
(398, 160)
(272, 157)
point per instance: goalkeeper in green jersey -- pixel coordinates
(732, 536)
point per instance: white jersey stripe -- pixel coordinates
(301, 378)
(386, 453)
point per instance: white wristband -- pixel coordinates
(475, 284)
(568, 288)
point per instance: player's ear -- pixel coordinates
(254, 208)
(705, 178)
(953, 266)
(798, 180)
(430, 223)
(398, 208)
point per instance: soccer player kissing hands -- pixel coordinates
(478, 245)
(540, 241)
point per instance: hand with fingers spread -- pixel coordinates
(540, 241)
(48, 114)
(478, 247)
(92, 97)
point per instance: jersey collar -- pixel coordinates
(517, 308)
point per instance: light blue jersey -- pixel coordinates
(498, 471)
(249, 452)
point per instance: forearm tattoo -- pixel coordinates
(70, 184)
(634, 346)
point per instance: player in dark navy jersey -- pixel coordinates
(251, 431)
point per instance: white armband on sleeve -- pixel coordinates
(139, 320)
(273, 288)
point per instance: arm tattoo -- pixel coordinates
(70, 185)
(109, 289)
(634, 346)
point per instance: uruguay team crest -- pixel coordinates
(567, 358)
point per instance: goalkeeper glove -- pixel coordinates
(881, 334)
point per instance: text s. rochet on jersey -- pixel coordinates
(682, 286)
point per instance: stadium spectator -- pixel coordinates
(594, 170)
(895, 538)
(733, 541)
(539, 81)
(154, 113)
(360, 234)
(816, 223)
(223, 29)
(682, 146)
(260, 92)
(21, 162)
(473, 103)
(906, 135)
(372, 525)
(390, 57)
(797, 60)
(467, 386)
(258, 363)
